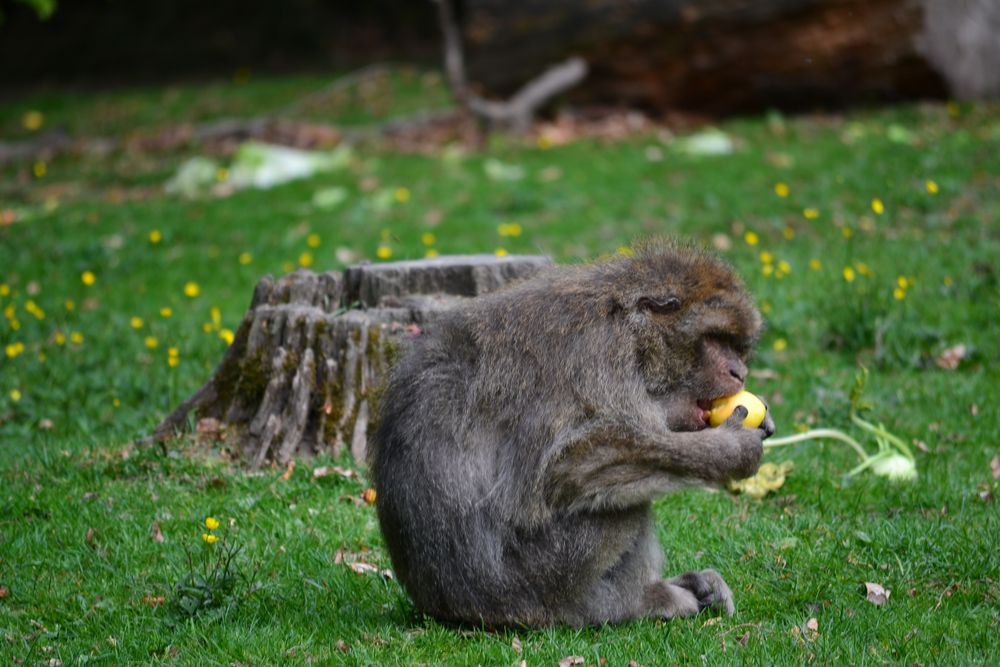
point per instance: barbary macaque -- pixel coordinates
(523, 437)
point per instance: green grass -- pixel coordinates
(66, 468)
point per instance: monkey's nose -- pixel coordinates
(740, 373)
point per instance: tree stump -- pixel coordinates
(307, 362)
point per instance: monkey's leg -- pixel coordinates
(614, 465)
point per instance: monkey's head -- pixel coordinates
(694, 326)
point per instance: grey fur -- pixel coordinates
(523, 437)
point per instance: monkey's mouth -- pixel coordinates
(704, 406)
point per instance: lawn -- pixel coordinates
(870, 238)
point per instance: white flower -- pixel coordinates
(895, 467)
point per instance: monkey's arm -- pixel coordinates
(610, 465)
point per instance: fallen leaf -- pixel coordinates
(363, 568)
(877, 595)
(90, 536)
(516, 645)
(342, 646)
(45, 424)
(155, 533)
(571, 660)
(770, 477)
(995, 466)
(4, 592)
(950, 359)
(153, 601)
(743, 639)
(326, 471)
(369, 496)
(289, 469)
(921, 445)
(209, 428)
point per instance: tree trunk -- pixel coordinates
(731, 56)
(308, 360)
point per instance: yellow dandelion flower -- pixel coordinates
(863, 268)
(151, 342)
(766, 308)
(902, 282)
(948, 282)
(781, 189)
(88, 278)
(172, 352)
(15, 395)
(500, 252)
(59, 338)
(32, 120)
(402, 195)
(899, 293)
(245, 258)
(780, 344)
(428, 238)
(847, 232)
(848, 274)
(784, 267)
(191, 289)
(216, 316)
(766, 257)
(4, 289)
(211, 523)
(227, 335)
(751, 238)
(209, 538)
(810, 213)
(39, 169)
(155, 236)
(932, 187)
(173, 362)
(878, 206)
(306, 259)
(10, 311)
(136, 322)
(788, 233)
(815, 264)
(166, 311)
(76, 338)
(116, 402)
(544, 142)
(509, 229)
(207, 327)
(15, 324)
(431, 252)
(383, 252)
(14, 349)
(34, 309)
(767, 270)
(69, 305)
(313, 240)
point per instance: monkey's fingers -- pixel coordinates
(735, 420)
(709, 588)
(768, 424)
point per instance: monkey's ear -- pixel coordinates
(667, 305)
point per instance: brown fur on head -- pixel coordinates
(693, 322)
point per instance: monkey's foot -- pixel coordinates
(708, 588)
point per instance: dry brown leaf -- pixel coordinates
(289, 469)
(995, 466)
(155, 533)
(950, 359)
(876, 594)
(153, 601)
(921, 445)
(571, 660)
(369, 496)
(4, 592)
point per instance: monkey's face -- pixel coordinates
(693, 337)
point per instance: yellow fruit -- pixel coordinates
(723, 407)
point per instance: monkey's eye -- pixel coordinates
(667, 305)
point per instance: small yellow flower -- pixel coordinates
(172, 352)
(151, 342)
(784, 267)
(15, 395)
(245, 258)
(902, 282)
(810, 213)
(402, 195)
(383, 252)
(211, 523)
(313, 240)
(116, 402)
(500, 252)
(88, 278)
(767, 269)
(788, 233)
(815, 264)
(751, 238)
(431, 252)
(766, 308)
(59, 338)
(4, 289)
(76, 338)
(32, 121)
(173, 362)
(306, 259)
(216, 316)
(544, 142)
(191, 289)
(847, 232)
(766, 257)
(428, 238)
(14, 349)
(69, 304)
(207, 327)
(878, 206)
(899, 293)
(848, 274)
(932, 187)
(948, 282)
(155, 236)
(136, 322)
(209, 538)
(780, 344)
(510, 229)
(34, 309)
(781, 189)
(227, 335)
(166, 311)
(863, 268)
(39, 169)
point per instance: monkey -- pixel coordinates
(523, 436)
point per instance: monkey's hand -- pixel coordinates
(688, 594)
(742, 447)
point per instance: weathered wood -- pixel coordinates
(307, 361)
(728, 56)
